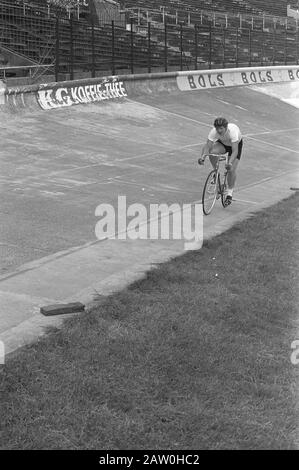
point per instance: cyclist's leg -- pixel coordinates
(232, 175)
(231, 181)
(218, 149)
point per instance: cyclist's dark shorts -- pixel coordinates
(229, 149)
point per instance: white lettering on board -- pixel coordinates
(61, 97)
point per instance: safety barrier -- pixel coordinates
(236, 77)
(63, 94)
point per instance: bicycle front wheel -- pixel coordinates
(210, 192)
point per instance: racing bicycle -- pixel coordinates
(215, 185)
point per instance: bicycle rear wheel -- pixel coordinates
(210, 192)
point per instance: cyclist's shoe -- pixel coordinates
(228, 201)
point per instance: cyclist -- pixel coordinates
(224, 137)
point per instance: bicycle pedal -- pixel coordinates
(227, 202)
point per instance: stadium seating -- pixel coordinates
(33, 35)
(278, 8)
(194, 38)
(224, 13)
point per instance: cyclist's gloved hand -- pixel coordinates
(228, 166)
(201, 161)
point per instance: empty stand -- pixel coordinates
(106, 38)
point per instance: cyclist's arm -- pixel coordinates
(207, 148)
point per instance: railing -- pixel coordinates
(255, 8)
(157, 46)
(217, 18)
(29, 71)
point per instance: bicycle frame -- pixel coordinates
(220, 158)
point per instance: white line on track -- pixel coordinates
(272, 131)
(116, 160)
(273, 145)
(172, 113)
(208, 124)
(240, 107)
(162, 152)
(222, 101)
(62, 254)
(158, 187)
(250, 185)
(244, 200)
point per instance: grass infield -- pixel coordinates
(195, 356)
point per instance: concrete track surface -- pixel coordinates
(57, 166)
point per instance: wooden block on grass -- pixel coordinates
(60, 309)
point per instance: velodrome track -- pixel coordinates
(57, 166)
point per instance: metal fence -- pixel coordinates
(151, 47)
(77, 47)
(225, 19)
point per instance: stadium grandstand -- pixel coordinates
(277, 8)
(76, 38)
(255, 7)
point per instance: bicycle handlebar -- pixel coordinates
(221, 156)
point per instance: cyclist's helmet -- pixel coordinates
(220, 122)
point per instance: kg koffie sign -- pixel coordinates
(60, 96)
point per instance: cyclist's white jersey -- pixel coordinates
(233, 134)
